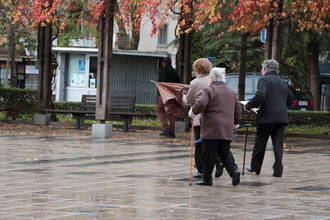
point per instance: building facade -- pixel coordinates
(131, 74)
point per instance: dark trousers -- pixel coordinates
(276, 132)
(212, 149)
(199, 150)
(166, 119)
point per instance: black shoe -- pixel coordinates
(203, 183)
(251, 171)
(236, 179)
(276, 175)
(218, 171)
(198, 175)
(170, 133)
(164, 132)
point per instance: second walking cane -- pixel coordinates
(245, 142)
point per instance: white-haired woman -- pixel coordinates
(220, 110)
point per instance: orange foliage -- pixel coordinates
(253, 15)
(246, 15)
(310, 15)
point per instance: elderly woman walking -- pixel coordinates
(202, 67)
(220, 110)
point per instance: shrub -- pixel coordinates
(311, 118)
(67, 105)
(16, 102)
(146, 109)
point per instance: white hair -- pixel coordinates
(271, 66)
(218, 74)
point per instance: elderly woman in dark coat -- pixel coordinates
(220, 111)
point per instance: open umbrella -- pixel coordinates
(171, 95)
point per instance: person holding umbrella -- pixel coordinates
(220, 110)
(166, 74)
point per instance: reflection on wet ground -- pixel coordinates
(80, 178)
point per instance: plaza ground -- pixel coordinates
(60, 173)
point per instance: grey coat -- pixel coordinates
(220, 111)
(196, 87)
(271, 98)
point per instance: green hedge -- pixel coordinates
(140, 108)
(16, 102)
(67, 105)
(312, 118)
(145, 109)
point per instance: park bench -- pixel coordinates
(122, 109)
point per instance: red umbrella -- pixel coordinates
(171, 95)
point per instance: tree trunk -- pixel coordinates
(185, 40)
(135, 37)
(184, 57)
(277, 27)
(12, 54)
(187, 58)
(103, 96)
(314, 71)
(119, 20)
(242, 67)
(269, 42)
(45, 66)
(134, 41)
(6, 83)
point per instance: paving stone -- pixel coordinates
(146, 177)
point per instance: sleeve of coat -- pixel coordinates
(260, 95)
(290, 97)
(201, 102)
(161, 75)
(191, 94)
(238, 112)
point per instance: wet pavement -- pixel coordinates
(138, 175)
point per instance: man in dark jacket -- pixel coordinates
(271, 98)
(166, 74)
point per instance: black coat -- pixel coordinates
(272, 98)
(168, 74)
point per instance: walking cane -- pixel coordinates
(191, 152)
(245, 143)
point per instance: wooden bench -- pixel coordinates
(122, 109)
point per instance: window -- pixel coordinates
(162, 35)
(92, 72)
(76, 71)
(3, 75)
